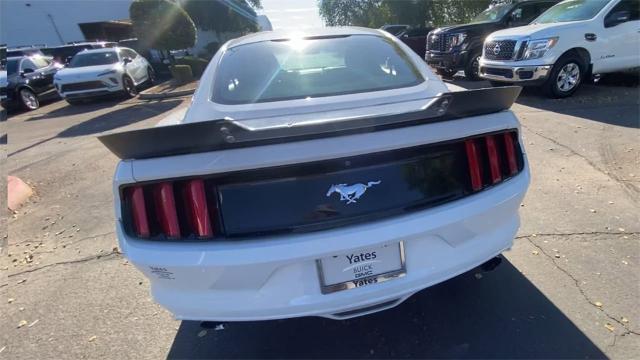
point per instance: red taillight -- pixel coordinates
(139, 211)
(494, 160)
(166, 209)
(172, 209)
(494, 156)
(196, 203)
(511, 153)
(474, 166)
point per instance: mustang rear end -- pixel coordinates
(322, 193)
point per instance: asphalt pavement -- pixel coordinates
(569, 288)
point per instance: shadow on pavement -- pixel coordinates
(501, 315)
(614, 100)
(119, 118)
(112, 120)
(71, 110)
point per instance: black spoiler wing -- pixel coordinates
(225, 134)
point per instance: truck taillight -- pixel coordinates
(171, 209)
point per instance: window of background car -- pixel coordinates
(632, 6)
(28, 64)
(300, 68)
(523, 14)
(92, 59)
(39, 62)
(128, 53)
(571, 10)
(12, 66)
(492, 14)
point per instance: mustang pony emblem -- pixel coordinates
(351, 193)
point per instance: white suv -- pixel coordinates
(565, 45)
(99, 72)
(334, 177)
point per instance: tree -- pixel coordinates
(223, 15)
(375, 13)
(161, 24)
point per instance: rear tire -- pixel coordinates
(565, 78)
(472, 69)
(28, 99)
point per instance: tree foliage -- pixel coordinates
(161, 24)
(223, 15)
(375, 13)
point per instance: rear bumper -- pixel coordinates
(277, 277)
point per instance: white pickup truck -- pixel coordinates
(565, 46)
(326, 174)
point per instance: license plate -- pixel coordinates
(360, 268)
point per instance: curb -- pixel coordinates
(172, 94)
(17, 192)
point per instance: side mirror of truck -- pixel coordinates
(617, 18)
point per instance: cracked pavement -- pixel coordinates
(569, 288)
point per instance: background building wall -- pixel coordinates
(27, 22)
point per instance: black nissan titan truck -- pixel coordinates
(459, 47)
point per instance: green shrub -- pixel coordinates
(181, 73)
(196, 64)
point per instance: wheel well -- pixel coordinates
(581, 53)
(25, 87)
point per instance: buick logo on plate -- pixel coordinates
(496, 49)
(351, 193)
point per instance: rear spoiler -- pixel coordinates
(226, 133)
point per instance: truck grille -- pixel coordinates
(499, 49)
(438, 42)
(86, 85)
(301, 197)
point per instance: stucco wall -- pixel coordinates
(27, 22)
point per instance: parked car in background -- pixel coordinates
(415, 38)
(100, 72)
(566, 45)
(64, 53)
(24, 51)
(28, 80)
(459, 47)
(335, 177)
(154, 56)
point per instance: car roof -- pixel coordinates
(99, 50)
(307, 33)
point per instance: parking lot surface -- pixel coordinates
(569, 288)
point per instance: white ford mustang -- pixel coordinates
(98, 72)
(325, 174)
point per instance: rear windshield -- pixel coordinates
(301, 68)
(92, 59)
(571, 10)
